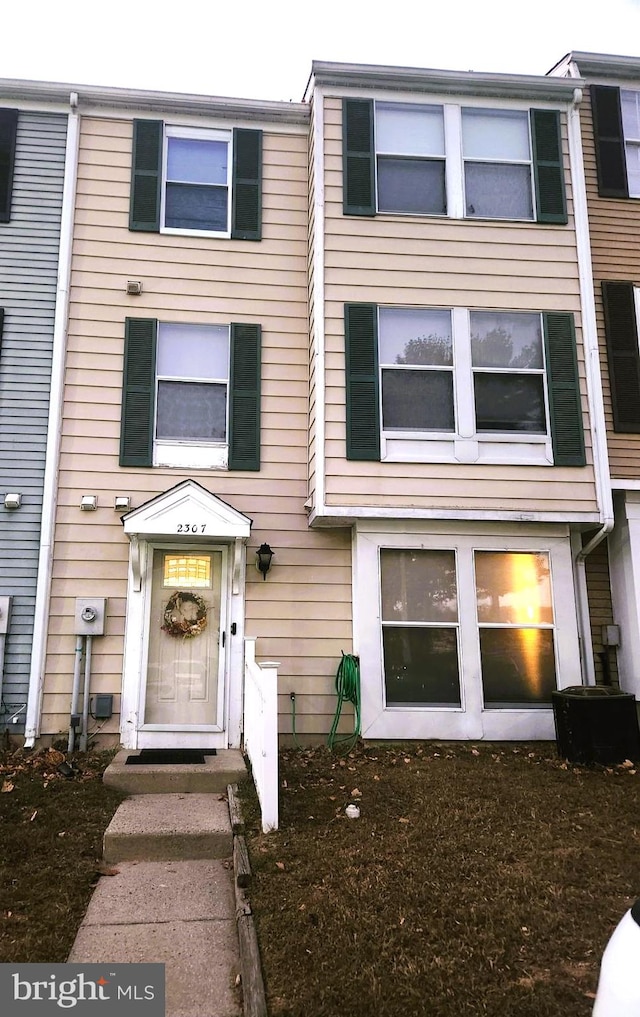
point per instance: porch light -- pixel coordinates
(264, 556)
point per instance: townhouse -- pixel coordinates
(610, 119)
(35, 147)
(331, 382)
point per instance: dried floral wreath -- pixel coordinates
(185, 615)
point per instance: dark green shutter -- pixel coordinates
(146, 176)
(548, 168)
(244, 398)
(362, 381)
(358, 157)
(138, 392)
(246, 191)
(8, 130)
(567, 428)
(621, 330)
(611, 163)
(1, 326)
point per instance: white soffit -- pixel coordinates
(187, 511)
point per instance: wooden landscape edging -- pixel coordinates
(253, 994)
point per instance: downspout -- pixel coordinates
(50, 486)
(601, 471)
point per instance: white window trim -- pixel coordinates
(465, 445)
(454, 161)
(196, 134)
(470, 720)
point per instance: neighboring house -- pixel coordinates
(455, 391)
(359, 330)
(33, 148)
(610, 118)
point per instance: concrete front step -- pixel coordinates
(210, 777)
(152, 827)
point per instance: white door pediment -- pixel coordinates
(187, 510)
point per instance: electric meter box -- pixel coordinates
(90, 614)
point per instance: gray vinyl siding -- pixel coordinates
(29, 246)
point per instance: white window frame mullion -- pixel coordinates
(454, 167)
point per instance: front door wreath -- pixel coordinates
(185, 615)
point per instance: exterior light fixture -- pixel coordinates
(12, 500)
(89, 502)
(264, 556)
(122, 503)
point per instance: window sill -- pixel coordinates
(190, 456)
(195, 233)
(497, 450)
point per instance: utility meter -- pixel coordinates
(89, 619)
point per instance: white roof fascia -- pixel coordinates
(131, 99)
(417, 79)
(603, 65)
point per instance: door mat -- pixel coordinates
(169, 757)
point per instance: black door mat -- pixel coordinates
(169, 757)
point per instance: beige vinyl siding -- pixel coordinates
(301, 616)
(614, 225)
(413, 261)
(600, 611)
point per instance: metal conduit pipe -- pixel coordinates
(75, 691)
(84, 734)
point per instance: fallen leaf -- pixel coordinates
(6, 786)
(356, 793)
(403, 820)
(474, 752)
(33, 815)
(104, 870)
(376, 777)
(280, 865)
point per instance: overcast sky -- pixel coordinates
(263, 50)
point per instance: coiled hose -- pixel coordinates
(348, 690)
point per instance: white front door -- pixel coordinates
(182, 696)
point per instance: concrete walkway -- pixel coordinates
(171, 897)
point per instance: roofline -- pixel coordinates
(102, 96)
(456, 82)
(605, 64)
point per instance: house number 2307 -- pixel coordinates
(191, 527)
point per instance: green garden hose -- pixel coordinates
(348, 690)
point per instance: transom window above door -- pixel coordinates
(445, 159)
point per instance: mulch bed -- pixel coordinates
(50, 849)
(478, 880)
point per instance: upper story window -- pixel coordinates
(459, 385)
(191, 395)
(196, 181)
(8, 131)
(476, 162)
(616, 126)
(497, 164)
(197, 178)
(410, 160)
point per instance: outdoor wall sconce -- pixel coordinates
(12, 500)
(122, 503)
(89, 502)
(264, 556)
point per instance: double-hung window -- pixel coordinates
(460, 385)
(196, 180)
(621, 302)
(191, 395)
(616, 125)
(451, 160)
(8, 131)
(410, 163)
(497, 164)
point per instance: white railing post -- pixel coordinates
(261, 731)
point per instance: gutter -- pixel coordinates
(50, 487)
(595, 399)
